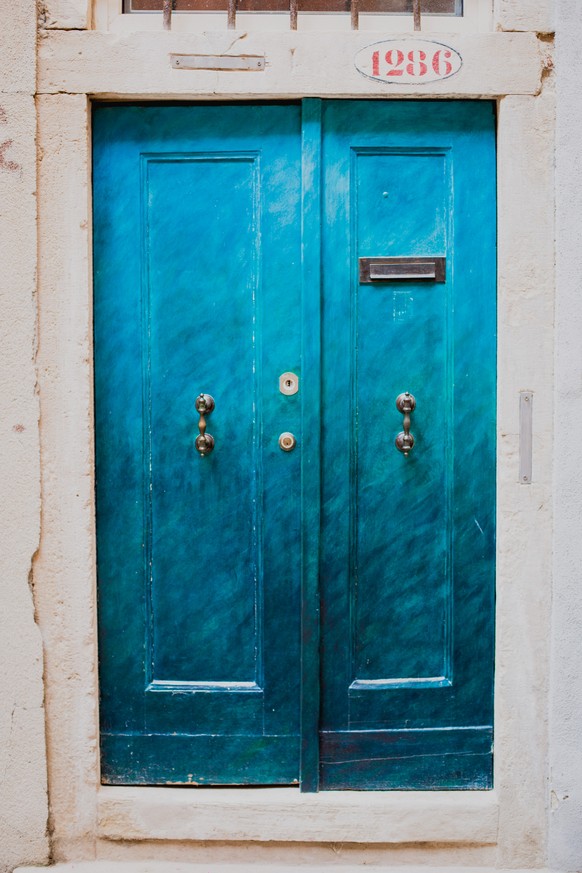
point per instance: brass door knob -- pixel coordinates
(204, 441)
(405, 403)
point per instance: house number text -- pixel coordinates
(406, 62)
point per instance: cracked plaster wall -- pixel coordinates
(23, 788)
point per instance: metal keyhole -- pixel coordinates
(288, 383)
(287, 442)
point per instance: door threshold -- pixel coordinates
(220, 867)
(287, 815)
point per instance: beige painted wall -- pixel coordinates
(566, 686)
(23, 798)
(533, 15)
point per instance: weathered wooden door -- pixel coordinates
(322, 614)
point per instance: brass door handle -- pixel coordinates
(204, 441)
(405, 403)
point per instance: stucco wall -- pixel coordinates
(109, 824)
(566, 677)
(23, 798)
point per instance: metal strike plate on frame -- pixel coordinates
(525, 436)
(374, 270)
(243, 63)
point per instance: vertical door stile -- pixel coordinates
(311, 458)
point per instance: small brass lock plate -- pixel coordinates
(287, 442)
(288, 383)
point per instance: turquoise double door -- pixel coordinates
(294, 317)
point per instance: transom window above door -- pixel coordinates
(387, 7)
(415, 8)
(396, 16)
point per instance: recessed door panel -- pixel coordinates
(193, 557)
(401, 591)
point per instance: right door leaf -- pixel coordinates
(407, 582)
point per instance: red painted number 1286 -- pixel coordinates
(414, 63)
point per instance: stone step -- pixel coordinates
(219, 867)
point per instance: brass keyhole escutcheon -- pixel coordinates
(288, 383)
(287, 442)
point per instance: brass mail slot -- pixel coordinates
(402, 270)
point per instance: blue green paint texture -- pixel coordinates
(321, 617)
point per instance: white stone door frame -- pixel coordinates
(505, 827)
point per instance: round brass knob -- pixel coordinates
(406, 402)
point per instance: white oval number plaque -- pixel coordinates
(408, 61)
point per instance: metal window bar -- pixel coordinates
(416, 14)
(355, 7)
(448, 8)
